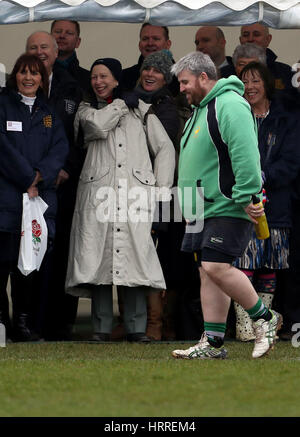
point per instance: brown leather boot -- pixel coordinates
(154, 315)
(170, 302)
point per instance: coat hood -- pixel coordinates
(232, 83)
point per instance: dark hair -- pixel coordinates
(264, 73)
(34, 64)
(77, 26)
(165, 29)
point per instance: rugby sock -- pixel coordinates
(215, 333)
(266, 283)
(259, 311)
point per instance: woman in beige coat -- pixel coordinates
(129, 157)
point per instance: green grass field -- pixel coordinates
(137, 380)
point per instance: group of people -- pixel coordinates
(105, 147)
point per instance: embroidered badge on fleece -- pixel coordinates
(70, 106)
(47, 120)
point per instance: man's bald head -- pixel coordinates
(43, 45)
(211, 41)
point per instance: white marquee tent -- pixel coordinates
(279, 14)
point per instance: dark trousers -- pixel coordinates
(29, 295)
(62, 305)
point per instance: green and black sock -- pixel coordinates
(215, 333)
(259, 311)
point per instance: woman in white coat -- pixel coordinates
(129, 157)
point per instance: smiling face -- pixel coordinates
(153, 39)
(191, 86)
(255, 91)
(256, 34)
(152, 79)
(42, 45)
(102, 81)
(28, 81)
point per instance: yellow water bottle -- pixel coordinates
(262, 228)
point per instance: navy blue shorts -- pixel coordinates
(222, 239)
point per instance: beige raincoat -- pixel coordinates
(129, 156)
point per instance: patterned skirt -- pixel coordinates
(272, 253)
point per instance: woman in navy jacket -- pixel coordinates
(33, 148)
(278, 141)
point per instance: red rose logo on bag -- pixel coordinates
(36, 232)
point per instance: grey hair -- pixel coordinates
(196, 63)
(46, 33)
(249, 50)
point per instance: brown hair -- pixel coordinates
(77, 25)
(164, 28)
(34, 64)
(265, 75)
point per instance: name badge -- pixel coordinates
(15, 126)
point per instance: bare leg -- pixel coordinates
(232, 282)
(215, 303)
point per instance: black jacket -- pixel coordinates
(80, 74)
(65, 97)
(39, 143)
(279, 149)
(164, 107)
(228, 70)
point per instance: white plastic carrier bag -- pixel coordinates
(34, 234)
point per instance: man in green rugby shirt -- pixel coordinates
(219, 153)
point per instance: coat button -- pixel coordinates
(120, 145)
(118, 230)
(119, 165)
(117, 272)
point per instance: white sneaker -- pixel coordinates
(202, 350)
(265, 334)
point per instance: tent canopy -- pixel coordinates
(279, 14)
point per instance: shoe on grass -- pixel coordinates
(265, 334)
(202, 350)
(101, 337)
(138, 338)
